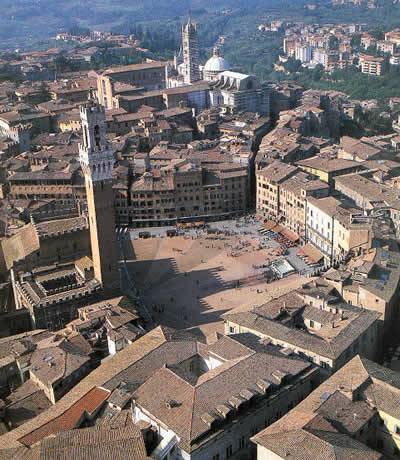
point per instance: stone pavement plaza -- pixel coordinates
(189, 281)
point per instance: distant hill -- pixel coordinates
(22, 21)
(27, 21)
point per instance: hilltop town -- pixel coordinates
(196, 263)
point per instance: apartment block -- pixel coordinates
(371, 65)
(268, 182)
(336, 229)
(282, 191)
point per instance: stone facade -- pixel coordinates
(184, 190)
(336, 230)
(148, 76)
(282, 191)
(97, 161)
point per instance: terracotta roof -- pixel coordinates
(84, 396)
(62, 226)
(89, 403)
(26, 402)
(84, 263)
(330, 346)
(56, 363)
(311, 252)
(361, 387)
(303, 445)
(134, 67)
(197, 398)
(198, 86)
(20, 245)
(329, 164)
(95, 444)
(277, 171)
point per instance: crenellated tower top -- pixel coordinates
(95, 153)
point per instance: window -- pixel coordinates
(215, 457)
(85, 134)
(229, 451)
(311, 324)
(97, 136)
(231, 330)
(242, 442)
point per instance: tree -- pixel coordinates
(378, 33)
(355, 41)
(317, 72)
(333, 42)
(292, 65)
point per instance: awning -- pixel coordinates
(291, 236)
(278, 228)
(269, 224)
(311, 252)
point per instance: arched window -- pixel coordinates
(97, 136)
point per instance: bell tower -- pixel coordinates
(190, 52)
(97, 161)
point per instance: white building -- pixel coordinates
(303, 53)
(238, 92)
(320, 224)
(320, 56)
(395, 59)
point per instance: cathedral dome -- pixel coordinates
(217, 64)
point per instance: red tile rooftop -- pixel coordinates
(68, 420)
